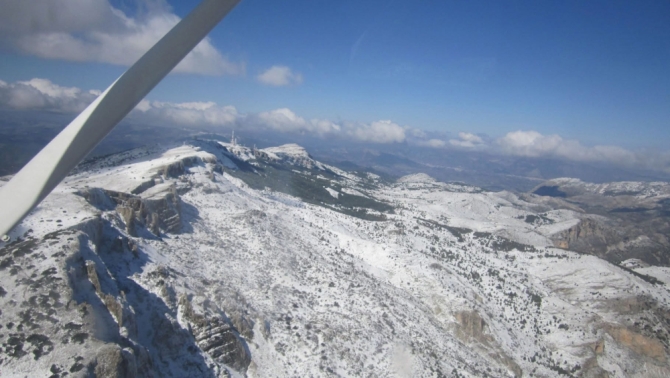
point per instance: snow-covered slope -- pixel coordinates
(293, 154)
(209, 259)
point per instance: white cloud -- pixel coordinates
(285, 120)
(93, 30)
(418, 133)
(189, 113)
(470, 137)
(534, 144)
(279, 76)
(383, 131)
(467, 140)
(143, 106)
(324, 126)
(42, 94)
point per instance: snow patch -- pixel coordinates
(333, 192)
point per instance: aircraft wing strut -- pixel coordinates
(50, 166)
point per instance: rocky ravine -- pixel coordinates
(619, 221)
(166, 263)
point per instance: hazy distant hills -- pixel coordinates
(494, 172)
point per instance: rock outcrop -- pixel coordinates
(588, 236)
(216, 337)
(158, 208)
(622, 220)
(472, 329)
(638, 343)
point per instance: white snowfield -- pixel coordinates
(291, 149)
(333, 192)
(294, 154)
(453, 283)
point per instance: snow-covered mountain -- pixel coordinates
(212, 259)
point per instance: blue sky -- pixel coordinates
(594, 73)
(577, 69)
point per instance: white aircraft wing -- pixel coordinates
(50, 166)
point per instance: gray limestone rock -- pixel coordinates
(113, 362)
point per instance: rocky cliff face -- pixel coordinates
(157, 209)
(621, 221)
(216, 336)
(472, 329)
(614, 242)
(590, 235)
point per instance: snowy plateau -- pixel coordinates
(210, 259)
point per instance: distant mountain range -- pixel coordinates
(21, 138)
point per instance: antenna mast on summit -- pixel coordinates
(50, 166)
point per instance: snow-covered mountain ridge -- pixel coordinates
(623, 188)
(211, 259)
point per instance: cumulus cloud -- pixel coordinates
(189, 113)
(383, 131)
(467, 140)
(534, 144)
(42, 94)
(278, 76)
(95, 31)
(285, 120)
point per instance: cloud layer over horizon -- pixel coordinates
(95, 31)
(467, 140)
(533, 144)
(42, 94)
